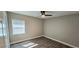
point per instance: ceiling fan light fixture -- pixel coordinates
(43, 16)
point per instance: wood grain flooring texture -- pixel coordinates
(42, 43)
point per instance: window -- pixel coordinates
(18, 26)
(1, 34)
(1, 29)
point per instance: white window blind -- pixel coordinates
(18, 26)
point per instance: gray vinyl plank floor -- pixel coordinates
(40, 42)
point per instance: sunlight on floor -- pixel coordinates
(30, 45)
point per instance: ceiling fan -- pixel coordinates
(43, 13)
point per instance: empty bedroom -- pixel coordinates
(39, 29)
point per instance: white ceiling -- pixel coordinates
(38, 14)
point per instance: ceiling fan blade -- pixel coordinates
(48, 15)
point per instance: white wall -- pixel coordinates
(65, 28)
(33, 27)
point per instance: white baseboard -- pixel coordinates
(49, 38)
(61, 42)
(26, 39)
